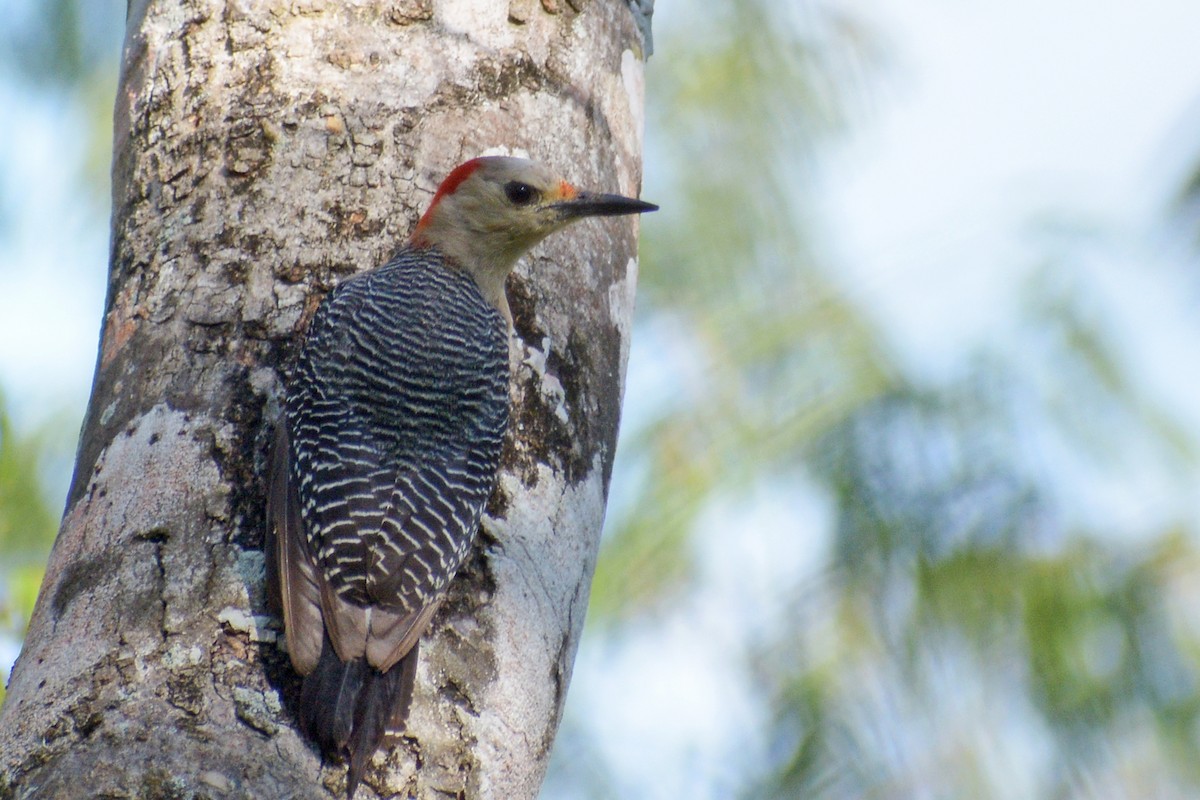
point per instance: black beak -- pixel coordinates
(586, 204)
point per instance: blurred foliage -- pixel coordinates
(726, 259)
(978, 631)
(28, 522)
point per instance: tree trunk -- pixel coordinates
(263, 151)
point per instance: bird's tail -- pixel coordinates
(347, 707)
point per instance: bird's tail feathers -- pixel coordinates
(347, 707)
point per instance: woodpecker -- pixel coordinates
(389, 445)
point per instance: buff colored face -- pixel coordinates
(489, 211)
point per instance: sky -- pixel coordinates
(988, 120)
(990, 115)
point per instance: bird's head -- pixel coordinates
(489, 211)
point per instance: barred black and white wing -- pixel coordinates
(394, 422)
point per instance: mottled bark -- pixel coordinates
(265, 150)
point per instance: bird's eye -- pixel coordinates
(520, 194)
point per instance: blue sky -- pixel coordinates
(990, 115)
